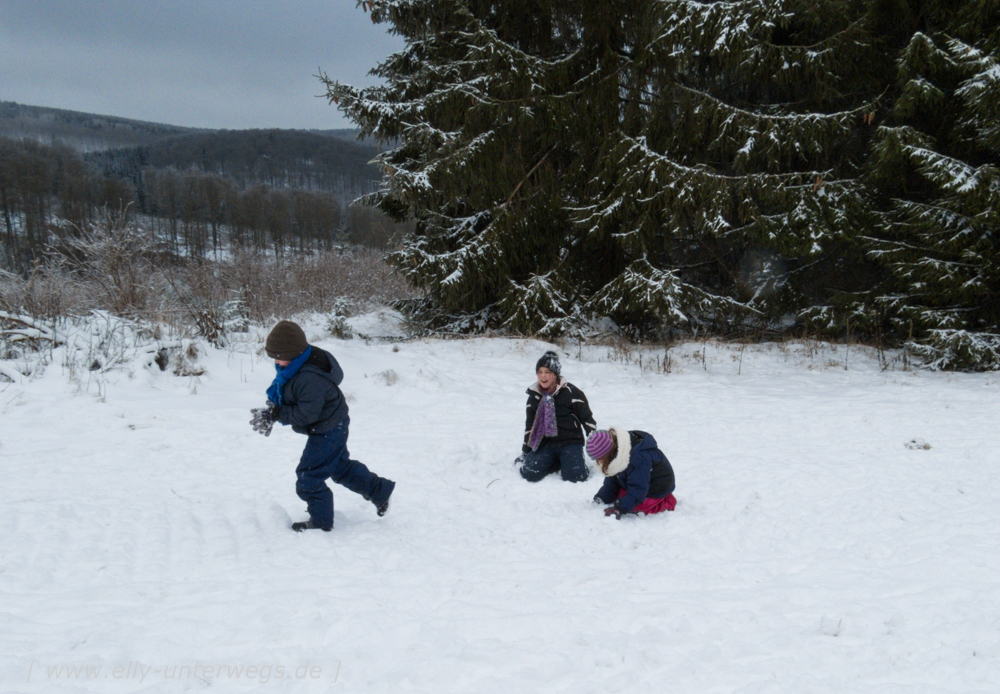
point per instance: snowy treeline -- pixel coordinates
(114, 271)
(684, 166)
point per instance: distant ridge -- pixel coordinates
(85, 132)
(88, 132)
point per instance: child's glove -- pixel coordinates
(263, 418)
(598, 499)
(615, 511)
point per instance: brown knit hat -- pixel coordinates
(285, 341)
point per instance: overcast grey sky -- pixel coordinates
(200, 63)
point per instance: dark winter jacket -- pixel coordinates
(640, 468)
(573, 417)
(311, 401)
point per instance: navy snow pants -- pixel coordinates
(567, 458)
(325, 456)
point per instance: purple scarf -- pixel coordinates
(545, 421)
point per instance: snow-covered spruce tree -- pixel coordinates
(935, 166)
(664, 162)
(743, 129)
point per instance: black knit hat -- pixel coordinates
(550, 360)
(285, 341)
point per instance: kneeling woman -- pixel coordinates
(638, 477)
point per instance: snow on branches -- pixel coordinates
(90, 346)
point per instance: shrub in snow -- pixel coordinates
(338, 327)
(959, 350)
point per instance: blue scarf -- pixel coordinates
(284, 373)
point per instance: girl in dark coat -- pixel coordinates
(557, 424)
(638, 476)
(306, 395)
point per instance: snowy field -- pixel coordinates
(837, 530)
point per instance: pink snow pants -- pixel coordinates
(650, 505)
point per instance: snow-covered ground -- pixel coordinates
(836, 531)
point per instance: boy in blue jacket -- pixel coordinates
(638, 476)
(305, 395)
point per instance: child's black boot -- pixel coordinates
(308, 525)
(384, 507)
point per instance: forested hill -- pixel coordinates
(84, 132)
(331, 160)
(203, 190)
(278, 158)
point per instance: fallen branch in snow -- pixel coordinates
(97, 343)
(10, 373)
(26, 328)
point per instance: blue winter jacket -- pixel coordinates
(648, 475)
(311, 401)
